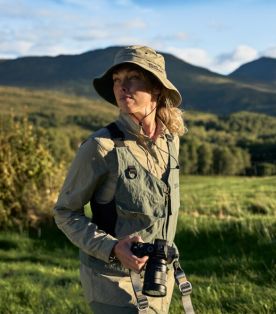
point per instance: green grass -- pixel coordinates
(231, 263)
(225, 197)
(229, 257)
(39, 274)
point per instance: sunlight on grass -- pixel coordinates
(229, 258)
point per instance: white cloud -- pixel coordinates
(12, 49)
(224, 63)
(192, 55)
(244, 53)
(269, 52)
(228, 62)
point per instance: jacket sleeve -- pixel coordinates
(87, 170)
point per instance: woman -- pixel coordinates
(128, 172)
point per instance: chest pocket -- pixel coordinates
(140, 197)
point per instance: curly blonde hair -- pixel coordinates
(171, 116)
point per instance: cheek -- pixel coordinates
(115, 92)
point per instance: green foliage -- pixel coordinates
(29, 175)
(242, 144)
(208, 158)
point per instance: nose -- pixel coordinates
(124, 85)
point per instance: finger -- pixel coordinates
(143, 259)
(137, 238)
(140, 259)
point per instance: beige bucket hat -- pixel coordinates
(144, 57)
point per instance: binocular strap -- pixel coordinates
(142, 300)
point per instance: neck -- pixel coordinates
(147, 121)
(149, 127)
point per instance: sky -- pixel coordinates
(219, 35)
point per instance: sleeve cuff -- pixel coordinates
(106, 249)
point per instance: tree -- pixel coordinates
(224, 162)
(205, 159)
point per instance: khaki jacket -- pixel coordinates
(93, 174)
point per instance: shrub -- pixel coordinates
(30, 178)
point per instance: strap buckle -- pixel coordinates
(185, 288)
(184, 285)
(142, 303)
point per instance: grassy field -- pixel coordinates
(227, 245)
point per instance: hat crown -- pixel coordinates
(146, 56)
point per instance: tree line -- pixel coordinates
(243, 143)
(34, 158)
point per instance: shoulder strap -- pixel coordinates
(185, 287)
(142, 301)
(116, 134)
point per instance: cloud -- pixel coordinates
(11, 50)
(194, 56)
(223, 63)
(269, 52)
(240, 54)
(228, 62)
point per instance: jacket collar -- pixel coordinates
(128, 126)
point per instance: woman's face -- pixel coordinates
(133, 91)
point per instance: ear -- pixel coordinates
(156, 91)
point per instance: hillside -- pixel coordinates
(244, 141)
(201, 89)
(262, 70)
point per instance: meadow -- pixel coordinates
(227, 224)
(226, 236)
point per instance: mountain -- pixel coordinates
(201, 89)
(262, 70)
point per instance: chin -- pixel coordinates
(127, 108)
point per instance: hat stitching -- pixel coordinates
(156, 67)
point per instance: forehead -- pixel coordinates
(127, 68)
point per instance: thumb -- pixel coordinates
(136, 238)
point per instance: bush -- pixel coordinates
(30, 178)
(265, 169)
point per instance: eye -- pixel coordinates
(134, 77)
(115, 79)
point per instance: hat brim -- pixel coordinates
(104, 84)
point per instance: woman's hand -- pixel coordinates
(126, 257)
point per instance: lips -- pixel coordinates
(125, 97)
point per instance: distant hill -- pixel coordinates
(262, 70)
(201, 89)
